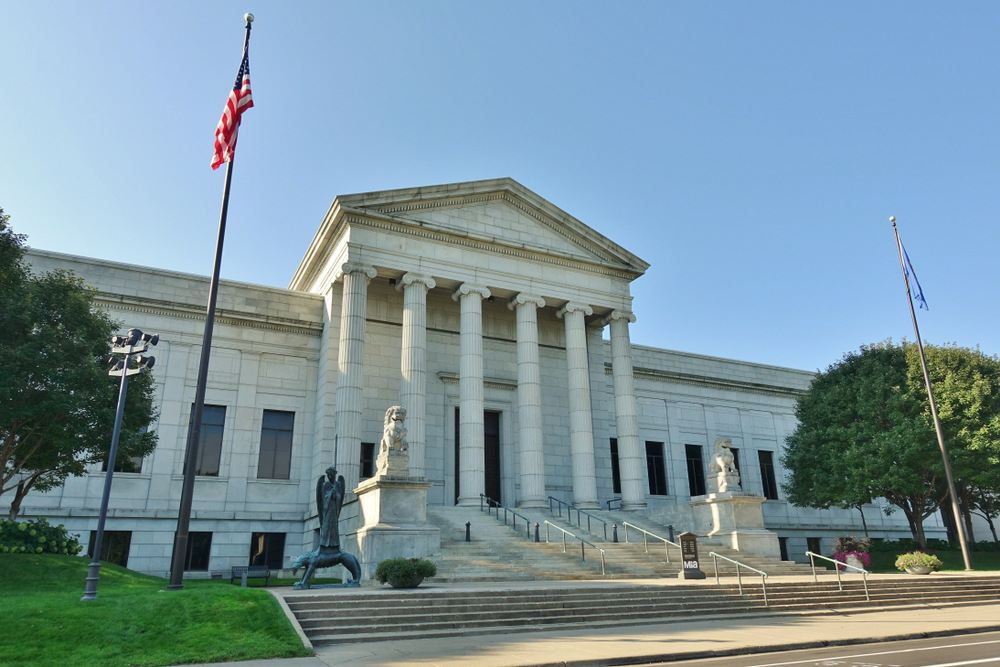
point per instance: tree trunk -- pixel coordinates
(916, 526)
(864, 524)
(992, 529)
(19, 494)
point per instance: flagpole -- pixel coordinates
(930, 395)
(194, 433)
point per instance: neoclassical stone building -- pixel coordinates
(482, 309)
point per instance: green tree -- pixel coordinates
(57, 402)
(862, 434)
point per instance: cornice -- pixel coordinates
(489, 383)
(185, 311)
(657, 375)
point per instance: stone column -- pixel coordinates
(529, 402)
(630, 455)
(351, 366)
(413, 368)
(581, 422)
(472, 455)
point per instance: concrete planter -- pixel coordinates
(919, 569)
(406, 583)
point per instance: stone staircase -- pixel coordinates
(337, 617)
(501, 552)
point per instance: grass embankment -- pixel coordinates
(885, 561)
(134, 621)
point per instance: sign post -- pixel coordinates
(690, 568)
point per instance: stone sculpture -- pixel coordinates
(393, 455)
(329, 500)
(727, 478)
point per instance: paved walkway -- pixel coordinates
(640, 644)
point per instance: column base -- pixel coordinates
(632, 506)
(533, 504)
(587, 505)
(468, 502)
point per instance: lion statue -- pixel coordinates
(724, 466)
(393, 431)
(317, 559)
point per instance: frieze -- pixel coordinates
(657, 375)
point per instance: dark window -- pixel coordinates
(491, 455)
(655, 468)
(812, 543)
(767, 474)
(696, 470)
(616, 474)
(114, 546)
(736, 462)
(367, 460)
(213, 421)
(783, 547)
(198, 549)
(267, 549)
(130, 464)
(275, 445)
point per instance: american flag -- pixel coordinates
(240, 99)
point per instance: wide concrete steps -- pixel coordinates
(342, 617)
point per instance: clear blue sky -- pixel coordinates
(751, 152)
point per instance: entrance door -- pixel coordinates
(491, 442)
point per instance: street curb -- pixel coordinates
(751, 650)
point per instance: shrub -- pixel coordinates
(851, 544)
(37, 536)
(402, 569)
(918, 559)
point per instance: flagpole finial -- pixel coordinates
(892, 218)
(248, 17)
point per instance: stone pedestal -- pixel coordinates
(394, 512)
(735, 519)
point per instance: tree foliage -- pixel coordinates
(865, 431)
(57, 402)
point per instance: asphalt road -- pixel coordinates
(982, 650)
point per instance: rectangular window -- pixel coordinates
(213, 421)
(616, 476)
(812, 543)
(767, 474)
(198, 549)
(275, 460)
(130, 464)
(655, 468)
(736, 462)
(267, 549)
(114, 546)
(696, 470)
(367, 460)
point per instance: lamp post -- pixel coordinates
(133, 343)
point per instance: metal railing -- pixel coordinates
(491, 504)
(839, 565)
(645, 539)
(739, 577)
(579, 514)
(583, 543)
(614, 500)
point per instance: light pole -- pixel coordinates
(134, 342)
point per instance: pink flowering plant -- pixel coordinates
(841, 556)
(852, 546)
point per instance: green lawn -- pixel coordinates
(134, 621)
(885, 561)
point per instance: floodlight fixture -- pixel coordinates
(151, 339)
(134, 336)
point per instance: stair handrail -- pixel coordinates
(571, 507)
(645, 539)
(739, 577)
(840, 565)
(583, 552)
(614, 500)
(490, 504)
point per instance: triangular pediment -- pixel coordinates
(499, 212)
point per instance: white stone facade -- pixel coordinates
(477, 295)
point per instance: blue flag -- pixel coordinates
(915, 290)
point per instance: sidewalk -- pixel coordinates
(704, 637)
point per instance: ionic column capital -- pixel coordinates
(467, 288)
(349, 267)
(523, 299)
(415, 279)
(574, 308)
(614, 315)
